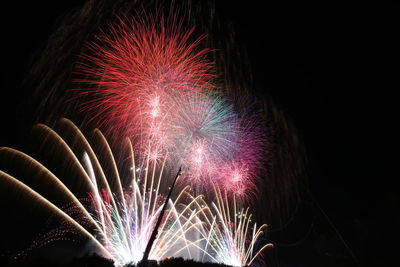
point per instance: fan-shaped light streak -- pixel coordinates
(226, 233)
(11, 182)
(121, 228)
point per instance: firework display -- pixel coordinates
(149, 83)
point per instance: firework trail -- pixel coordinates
(118, 217)
(226, 234)
(119, 225)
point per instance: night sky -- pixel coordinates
(333, 70)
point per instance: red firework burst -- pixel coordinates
(130, 73)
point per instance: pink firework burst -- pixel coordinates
(217, 145)
(132, 71)
(235, 177)
(240, 175)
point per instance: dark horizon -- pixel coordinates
(331, 71)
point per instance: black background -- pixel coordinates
(333, 69)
